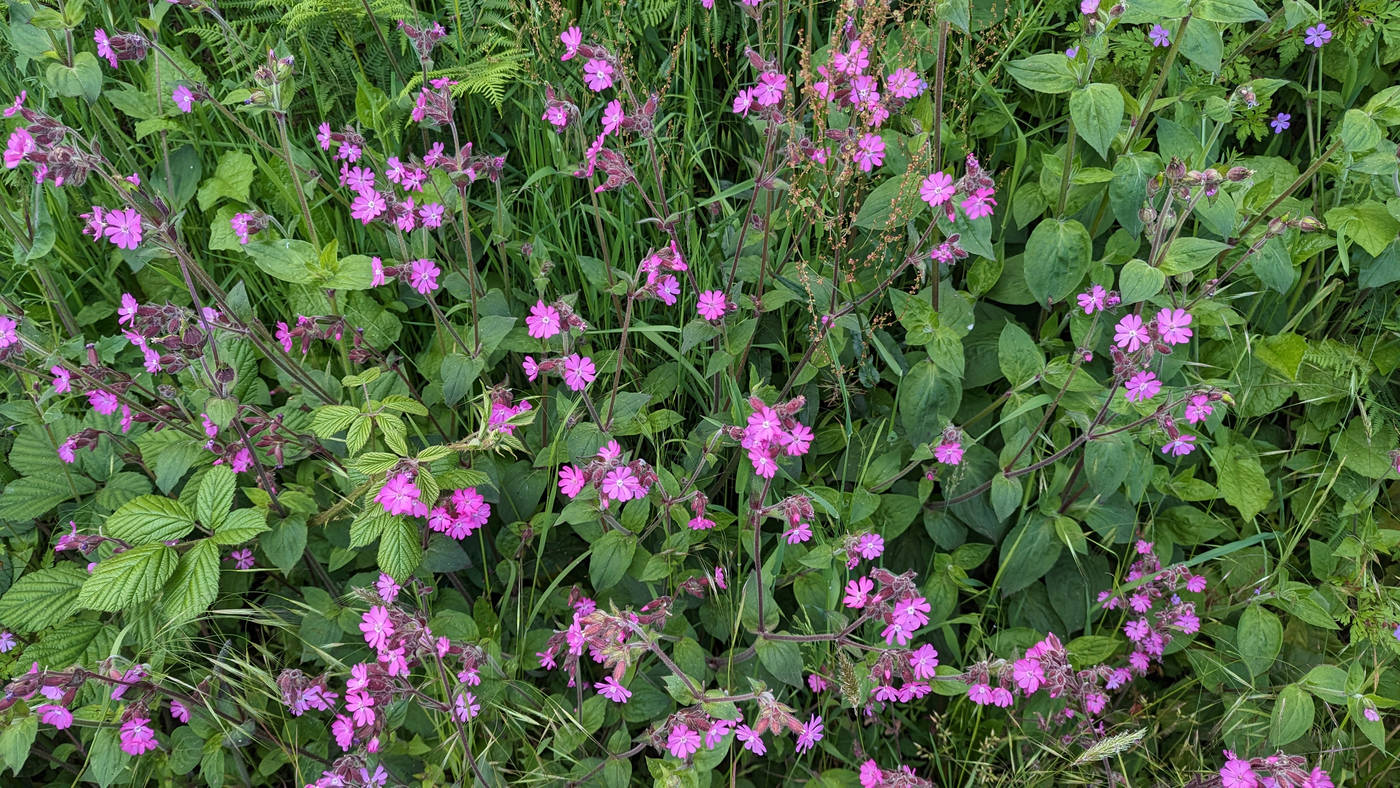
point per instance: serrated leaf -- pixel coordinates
(400, 550)
(195, 583)
(331, 419)
(27, 498)
(215, 495)
(148, 519)
(240, 526)
(128, 578)
(42, 598)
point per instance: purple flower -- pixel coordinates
(1317, 35)
(1161, 37)
(183, 98)
(1280, 122)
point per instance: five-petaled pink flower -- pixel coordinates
(870, 152)
(1180, 446)
(183, 98)
(544, 321)
(571, 37)
(423, 276)
(979, 203)
(612, 690)
(1160, 36)
(683, 742)
(937, 189)
(810, 735)
(377, 627)
(948, 452)
(579, 371)
(613, 116)
(123, 228)
(399, 495)
(1093, 301)
(104, 47)
(571, 480)
(1130, 334)
(1141, 387)
(1238, 774)
(858, 592)
(1172, 326)
(597, 74)
(712, 305)
(137, 736)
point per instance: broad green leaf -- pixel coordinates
(215, 495)
(17, 740)
(457, 374)
(1057, 257)
(284, 543)
(241, 525)
(42, 598)
(83, 79)
(195, 583)
(128, 578)
(1241, 480)
(926, 393)
(150, 519)
(1127, 192)
(1188, 254)
(1018, 355)
(1027, 553)
(1229, 11)
(1089, 650)
(1203, 46)
(1367, 223)
(1149, 11)
(1044, 73)
(27, 498)
(285, 259)
(231, 179)
(1138, 281)
(896, 198)
(400, 549)
(1259, 638)
(1293, 716)
(1359, 132)
(1097, 111)
(1282, 352)
(782, 658)
(1328, 683)
(612, 554)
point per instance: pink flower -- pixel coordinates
(948, 452)
(183, 98)
(571, 38)
(937, 189)
(1172, 326)
(981, 694)
(612, 690)
(810, 735)
(1142, 387)
(104, 47)
(343, 730)
(465, 707)
(387, 587)
(667, 288)
(432, 214)
(57, 716)
(1196, 584)
(743, 102)
(871, 775)
(770, 88)
(1087, 7)
(578, 372)
(323, 136)
(399, 495)
(61, 378)
(1238, 774)
(870, 152)
(242, 559)
(613, 116)
(1093, 301)
(912, 612)
(870, 546)
(923, 660)
(18, 104)
(799, 533)
(753, 741)
(422, 276)
(1130, 333)
(377, 627)
(1371, 714)
(123, 228)
(979, 203)
(1180, 446)
(179, 712)
(858, 592)
(1318, 779)
(104, 402)
(367, 205)
(701, 523)
(571, 480)
(621, 485)
(711, 305)
(597, 74)
(544, 321)
(683, 742)
(801, 436)
(1160, 36)
(361, 707)
(1197, 409)
(904, 84)
(137, 736)
(19, 144)
(1028, 675)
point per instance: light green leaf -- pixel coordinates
(42, 598)
(1097, 111)
(1367, 223)
(1057, 258)
(400, 549)
(1259, 638)
(28, 497)
(1241, 480)
(1190, 253)
(1359, 132)
(215, 495)
(240, 526)
(1027, 553)
(149, 519)
(1017, 354)
(1044, 73)
(1293, 716)
(783, 659)
(83, 79)
(128, 578)
(231, 179)
(195, 583)
(612, 554)
(285, 259)
(1138, 281)
(1229, 11)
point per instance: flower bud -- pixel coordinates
(1237, 174)
(1310, 224)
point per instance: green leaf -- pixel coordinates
(241, 525)
(149, 519)
(1367, 223)
(1282, 352)
(285, 259)
(1359, 132)
(28, 497)
(1097, 111)
(1259, 638)
(612, 554)
(42, 598)
(457, 373)
(83, 79)
(331, 419)
(1091, 650)
(400, 549)
(1203, 46)
(782, 658)
(1241, 480)
(128, 578)
(1057, 258)
(927, 393)
(284, 544)
(17, 740)
(1327, 683)
(1017, 354)
(195, 583)
(1149, 11)
(1138, 281)
(1188, 254)
(1044, 73)
(1027, 553)
(1229, 11)
(215, 495)
(231, 179)
(1293, 716)
(1128, 189)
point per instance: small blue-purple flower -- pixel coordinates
(1280, 122)
(1072, 53)
(1161, 37)
(1317, 35)
(1396, 633)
